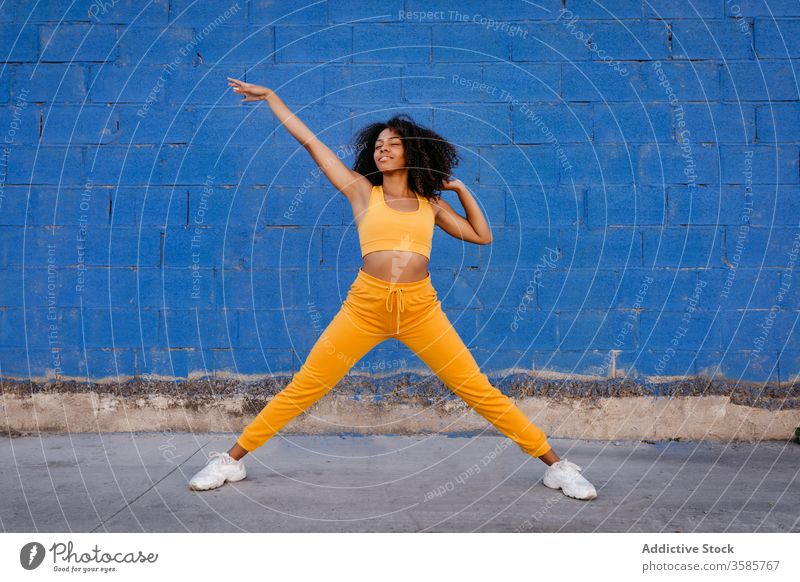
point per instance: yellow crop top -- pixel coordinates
(384, 228)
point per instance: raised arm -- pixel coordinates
(474, 227)
(347, 181)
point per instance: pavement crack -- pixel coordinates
(143, 493)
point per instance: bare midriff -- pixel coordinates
(396, 266)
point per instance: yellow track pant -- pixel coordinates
(373, 311)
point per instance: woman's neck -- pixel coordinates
(397, 185)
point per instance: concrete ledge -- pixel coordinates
(610, 410)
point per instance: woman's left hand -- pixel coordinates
(454, 185)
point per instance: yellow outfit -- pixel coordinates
(384, 228)
(375, 310)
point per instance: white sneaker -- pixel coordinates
(221, 467)
(564, 475)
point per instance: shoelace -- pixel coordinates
(569, 465)
(400, 306)
(218, 454)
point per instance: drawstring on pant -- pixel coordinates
(400, 306)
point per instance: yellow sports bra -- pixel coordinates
(384, 228)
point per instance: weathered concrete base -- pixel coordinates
(580, 412)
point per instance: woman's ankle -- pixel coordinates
(236, 452)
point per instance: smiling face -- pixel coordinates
(389, 153)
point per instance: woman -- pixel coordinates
(393, 192)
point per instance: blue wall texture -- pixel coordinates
(637, 161)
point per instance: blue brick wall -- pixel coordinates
(638, 163)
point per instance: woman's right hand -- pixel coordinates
(250, 91)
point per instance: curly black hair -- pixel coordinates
(430, 158)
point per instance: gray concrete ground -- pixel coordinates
(133, 482)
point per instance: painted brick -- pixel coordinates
(778, 122)
(177, 363)
(765, 247)
(602, 164)
(577, 289)
(596, 81)
(770, 164)
(143, 85)
(596, 329)
(201, 85)
(548, 122)
(612, 247)
(759, 331)
(152, 206)
(53, 205)
(682, 247)
(268, 12)
(202, 14)
(549, 41)
(456, 83)
(624, 123)
(680, 363)
(350, 10)
(542, 82)
(720, 40)
(620, 9)
(45, 165)
(78, 42)
(233, 124)
(196, 163)
(235, 45)
(358, 83)
(296, 84)
(688, 9)
(704, 205)
(788, 363)
(624, 206)
(390, 43)
(196, 328)
(715, 122)
(243, 362)
(157, 124)
(516, 247)
(474, 10)
(332, 124)
(762, 81)
(544, 207)
(504, 165)
(474, 124)
(685, 329)
(455, 252)
(775, 8)
(624, 40)
(20, 122)
(777, 205)
(49, 82)
(747, 289)
(313, 44)
(107, 328)
(469, 42)
(288, 166)
(18, 44)
(155, 13)
(156, 45)
(73, 124)
(535, 330)
(695, 81)
(32, 11)
(654, 289)
(671, 164)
